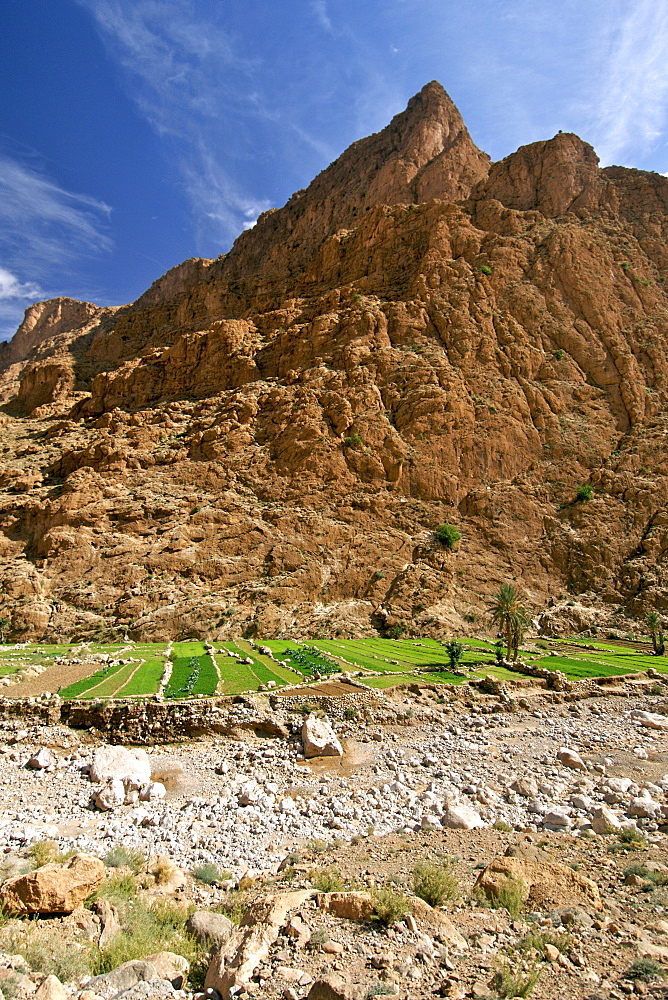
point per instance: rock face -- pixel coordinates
(266, 442)
(53, 888)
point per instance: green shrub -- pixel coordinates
(559, 354)
(317, 939)
(503, 827)
(117, 889)
(509, 896)
(536, 941)
(352, 440)
(389, 906)
(584, 492)
(125, 857)
(448, 535)
(396, 631)
(645, 969)
(632, 840)
(210, 874)
(147, 928)
(486, 269)
(328, 880)
(380, 989)
(436, 884)
(357, 297)
(233, 905)
(47, 852)
(46, 951)
(512, 982)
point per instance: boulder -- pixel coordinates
(460, 817)
(319, 738)
(651, 720)
(164, 966)
(356, 906)
(604, 820)
(53, 888)
(571, 758)
(544, 885)
(41, 760)
(50, 988)
(439, 924)
(131, 766)
(235, 963)
(111, 795)
(211, 927)
(333, 987)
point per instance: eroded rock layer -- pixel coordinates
(265, 442)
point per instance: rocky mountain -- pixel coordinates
(265, 443)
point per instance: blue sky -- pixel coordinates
(137, 133)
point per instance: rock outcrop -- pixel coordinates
(265, 443)
(53, 888)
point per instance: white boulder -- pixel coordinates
(571, 758)
(319, 738)
(460, 817)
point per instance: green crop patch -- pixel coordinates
(79, 688)
(145, 681)
(191, 675)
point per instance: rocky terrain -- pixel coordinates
(264, 443)
(460, 848)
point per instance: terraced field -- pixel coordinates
(377, 662)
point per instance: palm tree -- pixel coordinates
(510, 617)
(655, 626)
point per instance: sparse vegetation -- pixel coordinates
(455, 651)
(510, 981)
(210, 874)
(448, 535)
(125, 857)
(509, 896)
(584, 493)
(645, 969)
(389, 906)
(47, 852)
(328, 880)
(510, 616)
(352, 440)
(436, 884)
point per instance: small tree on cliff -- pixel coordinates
(510, 617)
(655, 626)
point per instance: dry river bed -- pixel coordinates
(392, 801)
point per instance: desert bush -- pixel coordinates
(352, 440)
(233, 906)
(502, 826)
(380, 989)
(125, 857)
(631, 840)
(146, 928)
(455, 651)
(46, 951)
(584, 492)
(328, 880)
(536, 941)
(486, 269)
(436, 884)
(645, 968)
(448, 535)
(209, 874)
(389, 906)
(117, 889)
(47, 852)
(317, 939)
(510, 981)
(509, 896)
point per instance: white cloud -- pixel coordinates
(319, 8)
(45, 231)
(191, 85)
(40, 221)
(12, 288)
(628, 100)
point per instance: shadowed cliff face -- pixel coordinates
(268, 440)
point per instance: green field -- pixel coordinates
(378, 662)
